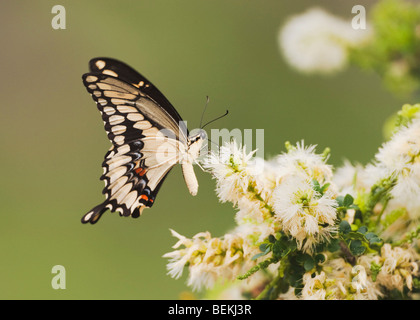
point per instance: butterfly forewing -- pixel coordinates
(141, 154)
(127, 74)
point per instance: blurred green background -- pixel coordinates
(53, 141)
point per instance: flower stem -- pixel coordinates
(382, 211)
(271, 290)
(262, 265)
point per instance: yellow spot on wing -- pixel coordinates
(100, 64)
(91, 78)
(110, 73)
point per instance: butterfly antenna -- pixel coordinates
(205, 107)
(227, 112)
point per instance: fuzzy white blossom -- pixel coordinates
(303, 161)
(230, 167)
(209, 259)
(400, 158)
(317, 41)
(243, 179)
(351, 179)
(314, 287)
(397, 266)
(303, 212)
(339, 280)
(289, 211)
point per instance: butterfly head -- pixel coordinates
(195, 142)
(200, 136)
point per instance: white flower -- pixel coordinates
(350, 179)
(317, 41)
(403, 148)
(210, 259)
(338, 280)
(398, 267)
(400, 158)
(303, 212)
(359, 281)
(178, 258)
(302, 160)
(250, 211)
(254, 233)
(314, 287)
(246, 181)
(230, 169)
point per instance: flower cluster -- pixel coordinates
(393, 50)
(307, 231)
(396, 267)
(318, 42)
(339, 280)
(208, 258)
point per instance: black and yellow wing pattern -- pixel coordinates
(147, 135)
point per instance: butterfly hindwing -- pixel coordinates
(141, 155)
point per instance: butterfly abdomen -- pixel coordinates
(190, 178)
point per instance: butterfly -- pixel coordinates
(148, 139)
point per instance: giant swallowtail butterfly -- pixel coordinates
(148, 138)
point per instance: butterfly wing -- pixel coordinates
(127, 74)
(142, 154)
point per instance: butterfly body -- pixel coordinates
(148, 138)
(195, 143)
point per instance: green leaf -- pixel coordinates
(344, 227)
(356, 247)
(309, 263)
(301, 257)
(362, 229)
(340, 201)
(272, 238)
(316, 186)
(261, 254)
(280, 248)
(294, 277)
(416, 283)
(263, 246)
(325, 187)
(255, 257)
(348, 200)
(334, 245)
(356, 236)
(298, 290)
(292, 244)
(370, 235)
(375, 269)
(375, 241)
(319, 258)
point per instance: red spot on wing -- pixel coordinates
(140, 171)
